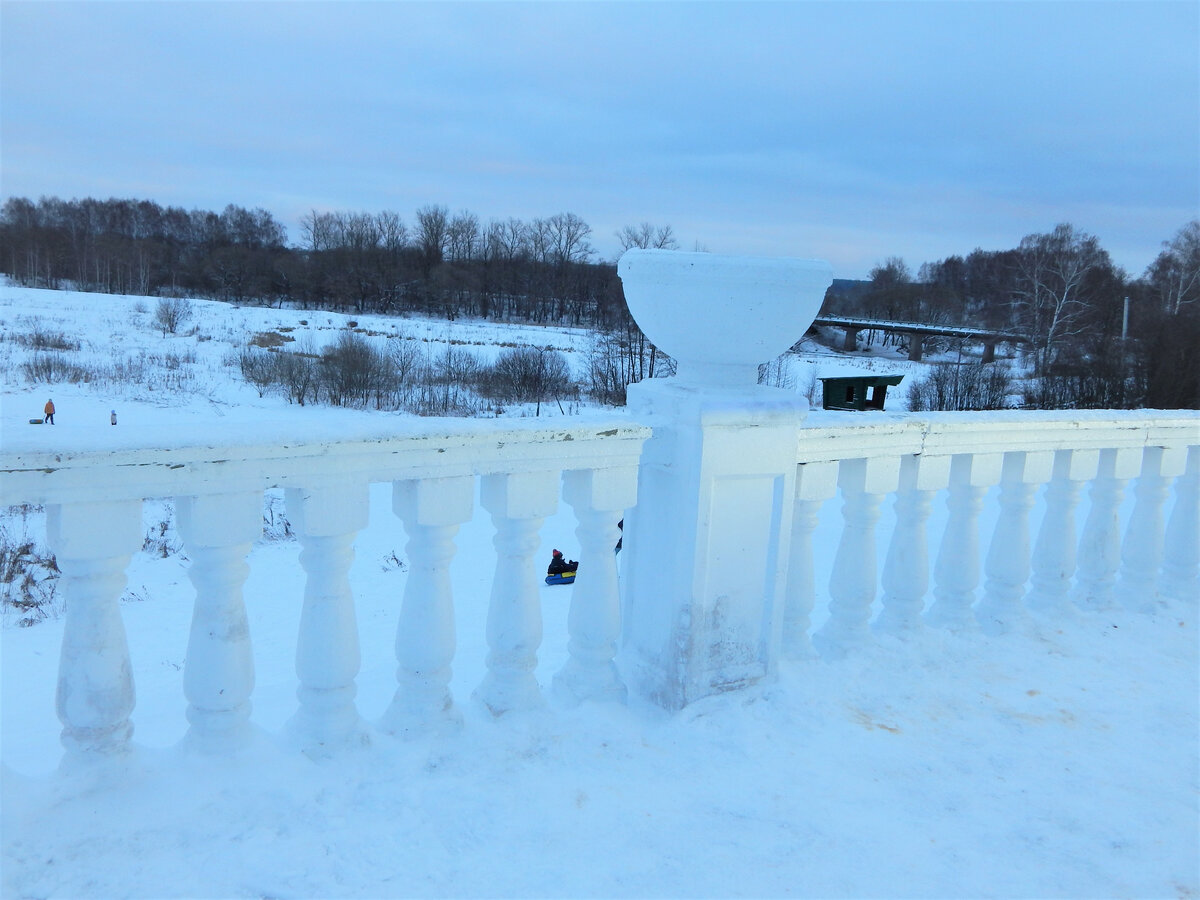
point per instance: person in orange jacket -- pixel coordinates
(49, 412)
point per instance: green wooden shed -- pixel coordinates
(857, 391)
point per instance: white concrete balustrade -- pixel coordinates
(93, 502)
(1029, 565)
(893, 472)
(735, 558)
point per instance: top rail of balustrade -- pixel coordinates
(145, 464)
(836, 436)
(129, 464)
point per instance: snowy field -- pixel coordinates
(1058, 762)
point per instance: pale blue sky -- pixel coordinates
(851, 131)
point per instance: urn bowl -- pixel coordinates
(721, 316)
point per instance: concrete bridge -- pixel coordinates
(917, 332)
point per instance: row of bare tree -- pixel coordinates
(545, 269)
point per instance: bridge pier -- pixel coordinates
(916, 346)
(989, 352)
(851, 341)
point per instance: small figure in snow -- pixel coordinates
(112, 417)
(559, 565)
(49, 410)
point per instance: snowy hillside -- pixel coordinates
(1060, 761)
(115, 355)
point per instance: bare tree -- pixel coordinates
(393, 233)
(1053, 271)
(319, 230)
(538, 240)
(568, 239)
(1175, 275)
(360, 232)
(647, 237)
(462, 235)
(892, 293)
(433, 224)
(508, 240)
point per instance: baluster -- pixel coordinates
(1006, 568)
(956, 570)
(518, 503)
(815, 483)
(1053, 563)
(92, 544)
(326, 520)
(1181, 549)
(1100, 544)
(1142, 549)
(432, 510)
(599, 498)
(906, 568)
(218, 677)
(853, 584)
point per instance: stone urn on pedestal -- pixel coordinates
(705, 548)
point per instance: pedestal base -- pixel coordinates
(705, 574)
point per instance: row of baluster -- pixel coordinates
(93, 543)
(1093, 568)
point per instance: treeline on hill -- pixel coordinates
(1096, 336)
(542, 270)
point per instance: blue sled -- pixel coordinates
(564, 578)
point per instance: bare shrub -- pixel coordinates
(43, 339)
(351, 370)
(406, 358)
(296, 373)
(950, 386)
(443, 386)
(607, 371)
(528, 375)
(276, 525)
(170, 313)
(53, 368)
(28, 577)
(173, 361)
(777, 373)
(1082, 388)
(130, 370)
(454, 371)
(257, 368)
(161, 539)
(812, 388)
(621, 357)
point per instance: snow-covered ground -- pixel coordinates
(1061, 762)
